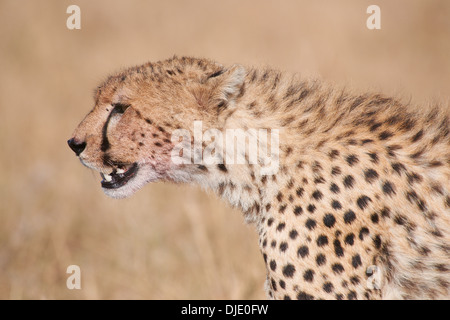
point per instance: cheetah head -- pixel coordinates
(127, 136)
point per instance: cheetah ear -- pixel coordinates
(221, 88)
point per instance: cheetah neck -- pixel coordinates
(265, 101)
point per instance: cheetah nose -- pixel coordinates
(76, 146)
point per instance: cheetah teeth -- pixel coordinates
(120, 171)
(107, 177)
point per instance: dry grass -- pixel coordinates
(167, 242)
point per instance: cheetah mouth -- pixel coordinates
(119, 177)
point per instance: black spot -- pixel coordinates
(319, 180)
(202, 167)
(288, 270)
(337, 268)
(374, 157)
(317, 195)
(411, 196)
(375, 126)
(385, 135)
(273, 244)
(413, 177)
(352, 160)
(388, 188)
(290, 184)
(374, 217)
(354, 280)
(366, 141)
(363, 202)
(334, 188)
(283, 246)
(293, 234)
(269, 222)
(279, 196)
(417, 136)
(398, 167)
(304, 296)
(322, 240)
(273, 265)
(417, 154)
(385, 212)
(298, 210)
(274, 285)
(351, 295)
(377, 241)
(316, 167)
(310, 224)
(435, 163)
(349, 216)
(349, 239)
(333, 154)
(282, 284)
(222, 167)
(264, 179)
(282, 208)
(400, 220)
(441, 267)
(148, 121)
(329, 220)
(370, 175)
(339, 296)
(299, 192)
(286, 297)
(335, 171)
(158, 144)
(308, 276)
(328, 287)
(356, 261)
(281, 226)
(321, 259)
(363, 232)
(311, 208)
(338, 250)
(349, 181)
(336, 205)
(303, 251)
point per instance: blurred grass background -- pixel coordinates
(168, 241)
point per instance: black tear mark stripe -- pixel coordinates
(117, 108)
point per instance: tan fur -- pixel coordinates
(363, 182)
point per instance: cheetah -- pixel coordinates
(359, 207)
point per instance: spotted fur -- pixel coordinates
(363, 188)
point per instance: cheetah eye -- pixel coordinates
(115, 115)
(119, 108)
